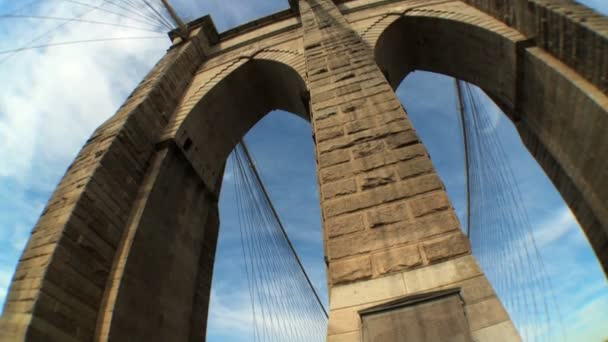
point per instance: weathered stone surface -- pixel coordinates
(377, 178)
(502, 332)
(329, 133)
(367, 291)
(386, 215)
(333, 158)
(344, 224)
(401, 139)
(486, 313)
(396, 259)
(388, 193)
(367, 149)
(473, 290)
(360, 125)
(346, 337)
(371, 162)
(446, 247)
(414, 167)
(397, 234)
(345, 271)
(340, 188)
(447, 272)
(429, 204)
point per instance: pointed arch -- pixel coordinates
(174, 225)
(211, 127)
(560, 116)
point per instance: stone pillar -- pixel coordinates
(161, 276)
(204, 276)
(389, 227)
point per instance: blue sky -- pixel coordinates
(52, 100)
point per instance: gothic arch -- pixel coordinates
(203, 141)
(454, 40)
(559, 115)
(222, 116)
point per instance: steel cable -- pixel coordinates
(501, 232)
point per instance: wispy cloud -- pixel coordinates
(56, 98)
(555, 227)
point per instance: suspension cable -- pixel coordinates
(276, 216)
(466, 154)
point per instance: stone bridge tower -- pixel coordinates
(124, 250)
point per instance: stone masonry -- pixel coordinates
(125, 248)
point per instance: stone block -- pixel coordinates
(324, 96)
(352, 106)
(339, 188)
(374, 179)
(397, 234)
(367, 149)
(396, 259)
(354, 336)
(333, 145)
(344, 320)
(473, 290)
(502, 332)
(348, 89)
(335, 63)
(414, 167)
(486, 313)
(445, 273)
(367, 291)
(324, 114)
(401, 139)
(377, 132)
(386, 215)
(359, 125)
(346, 271)
(333, 158)
(429, 204)
(371, 162)
(395, 115)
(344, 225)
(329, 133)
(384, 194)
(446, 247)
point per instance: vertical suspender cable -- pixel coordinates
(466, 153)
(276, 216)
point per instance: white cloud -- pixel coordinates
(231, 313)
(54, 100)
(232, 317)
(59, 95)
(555, 227)
(589, 323)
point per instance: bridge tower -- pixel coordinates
(124, 249)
